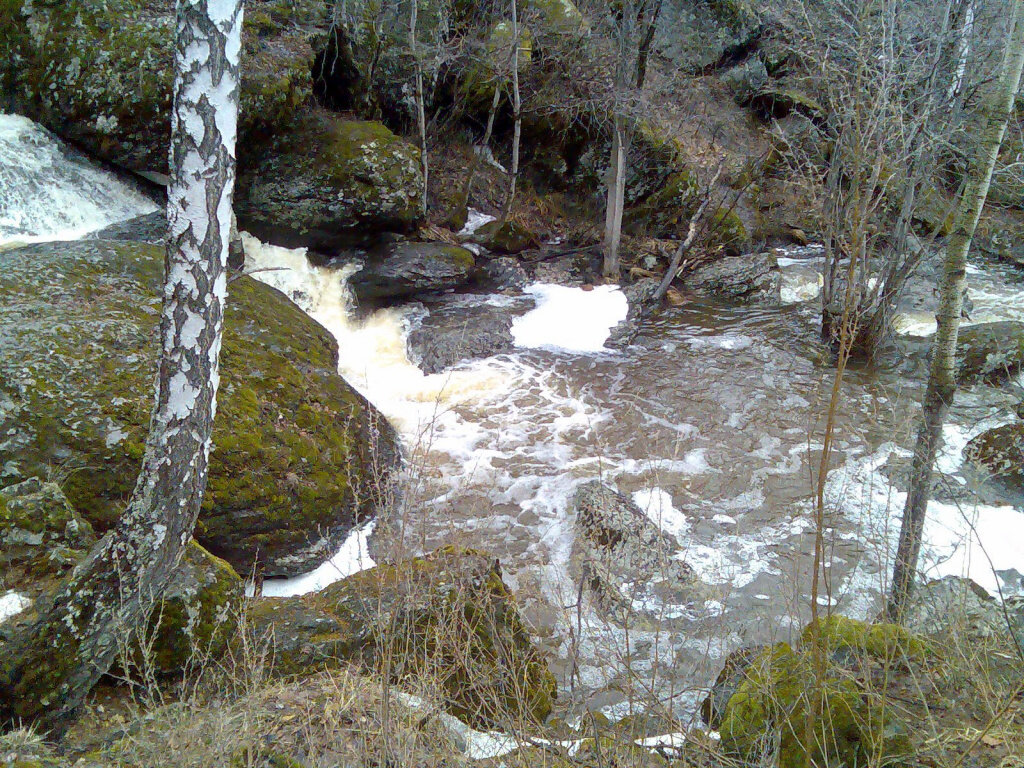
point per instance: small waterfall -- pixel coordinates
(48, 191)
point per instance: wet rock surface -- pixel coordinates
(406, 269)
(459, 330)
(753, 278)
(989, 352)
(625, 560)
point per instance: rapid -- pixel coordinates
(711, 419)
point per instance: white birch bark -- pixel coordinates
(54, 663)
(942, 375)
(517, 110)
(421, 112)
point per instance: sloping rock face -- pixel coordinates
(989, 352)
(300, 457)
(328, 182)
(101, 74)
(447, 617)
(626, 561)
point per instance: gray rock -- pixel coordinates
(640, 296)
(746, 79)
(459, 331)
(329, 183)
(149, 228)
(504, 273)
(626, 561)
(753, 277)
(989, 352)
(999, 453)
(954, 603)
(407, 269)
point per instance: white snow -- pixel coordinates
(353, 556)
(474, 220)
(11, 604)
(570, 319)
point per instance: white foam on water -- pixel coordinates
(352, 557)
(732, 342)
(48, 192)
(570, 319)
(12, 603)
(657, 505)
(799, 283)
(970, 539)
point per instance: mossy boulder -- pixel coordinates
(849, 636)
(446, 618)
(989, 352)
(506, 237)
(771, 705)
(1000, 453)
(407, 269)
(101, 74)
(330, 182)
(41, 536)
(750, 278)
(299, 459)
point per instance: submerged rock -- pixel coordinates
(406, 269)
(328, 182)
(446, 618)
(299, 459)
(625, 559)
(640, 295)
(754, 277)
(989, 352)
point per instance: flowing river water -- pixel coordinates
(711, 419)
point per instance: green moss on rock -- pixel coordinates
(447, 618)
(329, 181)
(881, 641)
(101, 74)
(771, 703)
(506, 237)
(299, 457)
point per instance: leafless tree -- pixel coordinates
(941, 378)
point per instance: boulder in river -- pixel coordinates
(752, 277)
(999, 453)
(329, 182)
(626, 560)
(299, 459)
(446, 618)
(989, 352)
(408, 268)
(765, 695)
(458, 331)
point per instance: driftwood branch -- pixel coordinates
(684, 246)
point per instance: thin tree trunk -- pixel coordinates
(55, 661)
(942, 375)
(458, 217)
(517, 105)
(421, 112)
(616, 195)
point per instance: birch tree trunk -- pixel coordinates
(421, 112)
(517, 109)
(942, 375)
(50, 666)
(460, 213)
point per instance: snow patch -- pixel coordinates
(570, 319)
(11, 604)
(352, 557)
